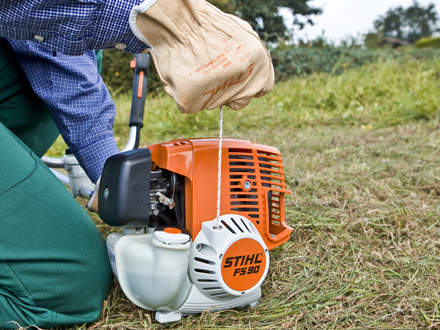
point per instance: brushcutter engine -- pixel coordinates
(174, 256)
(167, 191)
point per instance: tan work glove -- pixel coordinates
(204, 57)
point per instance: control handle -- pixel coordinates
(140, 65)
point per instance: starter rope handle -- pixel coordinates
(219, 173)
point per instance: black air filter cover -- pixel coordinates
(124, 189)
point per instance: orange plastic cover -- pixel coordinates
(253, 183)
(243, 264)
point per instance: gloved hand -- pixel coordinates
(92, 205)
(205, 57)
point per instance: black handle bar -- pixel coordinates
(140, 65)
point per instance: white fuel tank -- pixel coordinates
(152, 268)
(165, 271)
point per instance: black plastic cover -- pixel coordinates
(124, 189)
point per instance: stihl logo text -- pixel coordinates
(249, 262)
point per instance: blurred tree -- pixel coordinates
(408, 24)
(266, 18)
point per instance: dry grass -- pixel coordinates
(365, 250)
(366, 213)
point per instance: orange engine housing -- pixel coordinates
(252, 183)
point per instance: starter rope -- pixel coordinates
(219, 173)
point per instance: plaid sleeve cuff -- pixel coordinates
(113, 27)
(92, 158)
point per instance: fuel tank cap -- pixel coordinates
(171, 235)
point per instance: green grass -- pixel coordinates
(362, 156)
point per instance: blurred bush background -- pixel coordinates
(399, 33)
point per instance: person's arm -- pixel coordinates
(77, 99)
(204, 57)
(71, 26)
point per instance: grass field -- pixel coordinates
(362, 155)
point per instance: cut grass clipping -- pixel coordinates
(362, 156)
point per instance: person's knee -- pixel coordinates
(60, 293)
(56, 269)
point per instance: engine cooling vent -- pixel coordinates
(243, 183)
(219, 267)
(272, 176)
(257, 189)
(238, 225)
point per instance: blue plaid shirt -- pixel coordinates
(70, 85)
(71, 26)
(77, 98)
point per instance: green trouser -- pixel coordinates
(54, 267)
